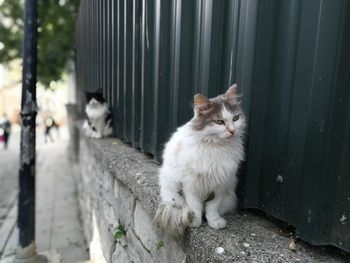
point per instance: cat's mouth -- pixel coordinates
(229, 136)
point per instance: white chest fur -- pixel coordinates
(204, 164)
(96, 111)
(211, 165)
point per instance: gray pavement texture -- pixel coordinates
(9, 163)
(249, 237)
(58, 226)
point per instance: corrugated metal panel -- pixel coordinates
(291, 60)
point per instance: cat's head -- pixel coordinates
(94, 98)
(219, 118)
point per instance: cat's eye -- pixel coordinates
(235, 118)
(219, 122)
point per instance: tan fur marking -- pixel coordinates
(178, 147)
(200, 100)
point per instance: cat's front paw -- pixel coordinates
(196, 222)
(217, 223)
(96, 136)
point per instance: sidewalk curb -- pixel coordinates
(8, 226)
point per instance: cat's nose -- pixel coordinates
(231, 130)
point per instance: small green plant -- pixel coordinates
(119, 232)
(160, 244)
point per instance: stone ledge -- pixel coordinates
(248, 238)
(137, 171)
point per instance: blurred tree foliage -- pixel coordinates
(56, 28)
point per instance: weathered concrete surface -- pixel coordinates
(118, 184)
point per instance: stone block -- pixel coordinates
(108, 187)
(106, 227)
(137, 252)
(150, 236)
(123, 204)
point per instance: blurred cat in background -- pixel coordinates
(201, 160)
(99, 118)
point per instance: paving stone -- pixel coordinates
(57, 206)
(67, 239)
(71, 254)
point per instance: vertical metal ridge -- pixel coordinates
(113, 53)
(175, 43)
(186, 88)
(231, 43)
(310, 138)
(99, 47)
(126, 4)
(88, 36)
(288, 84)
(142, 72)
(135, 73)
(83, 47)
(157, 21)
(108, 51)
(257, 112)
(147, 76)
(103, 47)
(120, 70)
(205, 50)
(96, 45)
(316, 50)
(197, 45)
(129, 74)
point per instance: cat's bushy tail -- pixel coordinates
(173, 219)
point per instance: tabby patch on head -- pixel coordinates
(220, 117)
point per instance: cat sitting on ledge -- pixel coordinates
(201, 160)
(99, 119)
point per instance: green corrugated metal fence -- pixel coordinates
(291, 60)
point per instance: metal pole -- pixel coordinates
(26, 203)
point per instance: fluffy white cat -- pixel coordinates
(201, 158)
(99, 118)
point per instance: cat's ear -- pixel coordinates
(200, 100)
(231, 92)
(87, 95)
(201, 103)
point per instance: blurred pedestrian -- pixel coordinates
(5, 130)
(49, 124)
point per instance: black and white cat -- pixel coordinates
(99, 118)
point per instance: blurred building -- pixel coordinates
(51, 100)
(10, 91)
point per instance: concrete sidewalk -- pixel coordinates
(58, 226)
